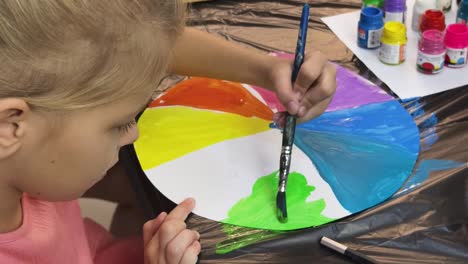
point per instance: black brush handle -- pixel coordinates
(286, 151)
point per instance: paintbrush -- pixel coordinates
(290, 124)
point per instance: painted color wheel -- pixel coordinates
(211, 140)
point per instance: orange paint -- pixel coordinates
(214, 95)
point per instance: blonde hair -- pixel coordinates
(74, 54)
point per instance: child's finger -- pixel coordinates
(322, 89)
(156, 247)
(168, 231)
(280, 118)
(191, 254)
(182, 210)
(315, 111)
(179, 245)
(310, 71)
(151, 227)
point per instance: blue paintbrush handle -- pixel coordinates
(301, 42)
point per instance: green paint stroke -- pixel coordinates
(259, 209)
(238, 237)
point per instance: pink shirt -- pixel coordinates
(55, 232)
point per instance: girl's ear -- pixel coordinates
(13, 112)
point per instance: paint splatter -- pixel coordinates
(425, 168)
(215, 95)
(239, 237)
(259, 209)
(177, 131)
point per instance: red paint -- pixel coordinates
(214, 95)
(432, 19)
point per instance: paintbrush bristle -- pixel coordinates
(282, 212)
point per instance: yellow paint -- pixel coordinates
(394, 33)
(393, 43)
(167, 133)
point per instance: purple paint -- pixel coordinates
(352, 91)
(395, 10)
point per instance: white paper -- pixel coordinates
(234, 166)
(403, 79)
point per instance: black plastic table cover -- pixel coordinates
(427, 223)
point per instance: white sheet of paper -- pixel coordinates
(403, 79)
(234, 166)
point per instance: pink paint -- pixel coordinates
(431, 52)
(432, 42)
(456, 42)
(456, 36)
(270, 97)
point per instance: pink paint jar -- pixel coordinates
(456, 42)
(431, 52)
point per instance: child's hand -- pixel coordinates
(167, 239)
(312, 91)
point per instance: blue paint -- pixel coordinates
(387, 122)
(427, 127)
(370, 27)
(462, 13)
(429, 122)
(425, 168)
(415, 107)
(273, 125)
(428, 138)
(368, 150)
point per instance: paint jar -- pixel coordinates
(431, 52)
(393, 43)
(432, 19)
(456, 42)
(395, 10)
(444, 5)
(462, 13)
(420, 6)
(372, 3)
(370, 28)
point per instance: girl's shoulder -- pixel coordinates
(52, 232)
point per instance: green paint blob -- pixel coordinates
(259, 209)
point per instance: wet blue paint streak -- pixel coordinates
(427, 127)
(365, 153)
(425, 168)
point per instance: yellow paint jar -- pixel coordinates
(393, 48)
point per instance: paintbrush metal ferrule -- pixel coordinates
(285, 164)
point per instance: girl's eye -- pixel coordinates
(126, 127)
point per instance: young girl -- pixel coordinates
(73, 75)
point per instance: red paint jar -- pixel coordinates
(432, 19)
